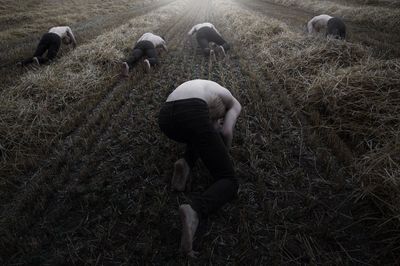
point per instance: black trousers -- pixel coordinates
(188, 121)
(49, 42)
(336, 28)
(143, 48)
(206, 35)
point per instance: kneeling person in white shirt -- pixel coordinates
(145, 47)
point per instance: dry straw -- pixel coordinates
(384, 18)
(351, 96)
(48, 103)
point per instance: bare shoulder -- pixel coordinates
(218, 89)
(323, 17)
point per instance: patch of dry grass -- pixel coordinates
(49, 103)
(25, 19)
(102, 195)
(362, 104)
(351, 98)
(381, 17)
(384, 3)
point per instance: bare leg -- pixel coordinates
(146, 65)
(124, 69)
(221, 51)
(212, 55)
(190, 221)
(181, 174)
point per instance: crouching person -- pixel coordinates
(207, 33)
(51, 42)
(202, 114)
(334, 27)
(145, 47)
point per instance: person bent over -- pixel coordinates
(145, 47)
(51, 42)
(206, 33)
(334, 27)
(202, 114)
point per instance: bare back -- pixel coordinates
(211, 92)
(317, 23)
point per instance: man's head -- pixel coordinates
(216, 108)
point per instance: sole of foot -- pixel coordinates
(190, 221)
(221, 51)
(147, 66)
(212, 55)
(124, 69)
(36, 61)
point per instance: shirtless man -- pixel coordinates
(192, 114)
(146, 47)
(51, 42)
(206, 33)
(334, 27)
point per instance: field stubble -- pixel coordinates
(102, 196)
(351, 99)
(379, 16)
(90, 20)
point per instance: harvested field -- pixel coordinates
(85, 171)
(383, 43)
(383, 17)
(21, 31)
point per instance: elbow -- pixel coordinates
(238, 107)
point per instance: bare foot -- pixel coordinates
(124, 69)
(212, 55)
(221, 51)
(190, 221)
(180, 176)
(147, 65)
(36, 61)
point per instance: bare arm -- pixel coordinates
(310, 27)
(192, 31)
(233, 110)
(71, 35)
